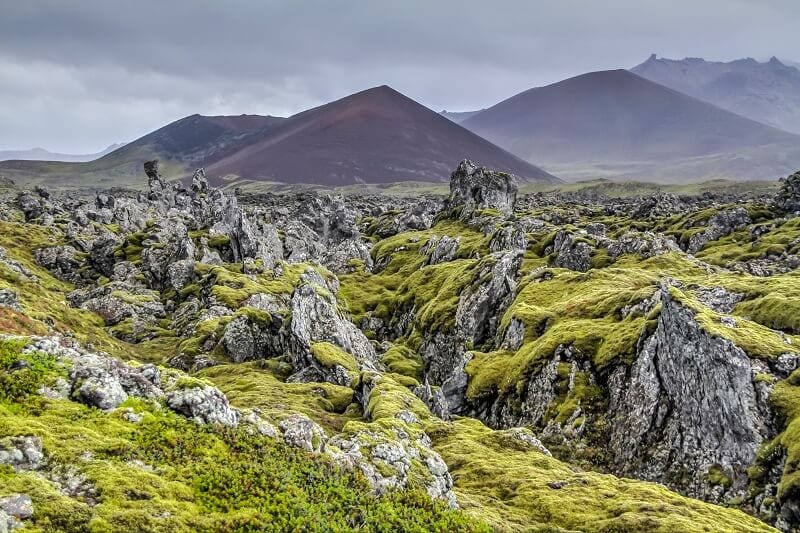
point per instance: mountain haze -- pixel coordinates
(41, 154)
(458, 116)
(617, 124)
(768, 92)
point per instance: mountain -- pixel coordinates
(620, 125)
(374, 136)
(768, 92)
(181, 146)
(795, 64)
(40, 154)
(458, 116)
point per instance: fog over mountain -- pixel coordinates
(41, 154)
(768, 92)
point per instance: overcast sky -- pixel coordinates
(76, 76)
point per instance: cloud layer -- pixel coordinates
(77, 76)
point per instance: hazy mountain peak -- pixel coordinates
(767, 91)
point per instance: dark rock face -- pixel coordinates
(477, 188)
(479, 310)
(689, 412)
(788, 198)
(719, 225)
(199, 181)
(688, 407)
(154, 180)
(571, 252)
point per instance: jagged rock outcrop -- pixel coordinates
(788, 198)
(689, 411)
(511, 237)
(440, 249)
(719, 225)
(199, 181)
(474, 188)
(155, 182)
(477, 316)
(61, 261)
(644, 244)
(247, 338)
(571, 252)
(316, 318)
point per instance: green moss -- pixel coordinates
(134, 299)
(22, 374)
(404, 361)
(219, 241)
(329, 355)
(775, 311)
(717, 476)
(261, 385)
(198, 478)
(508, 486)
(388, 397)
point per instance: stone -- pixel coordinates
(180, 273)
(788, 197)
(316, 318)
(19, 506)
(571, 252)
(718, 298)
(199, 181)
(508, 238)
(440, 249)
(301, 432)
(664, 423)
(9, 299)
(155, 182)
(21, 453)
(719, 225)
(204, 404)
(473, 189)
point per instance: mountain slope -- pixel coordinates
(181, 146)
(768, 92)
(617, 124)
(374, 136)
(40, 154)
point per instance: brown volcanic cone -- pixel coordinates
(374, 136)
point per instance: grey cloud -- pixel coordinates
(80, 75)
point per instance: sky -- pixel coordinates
(76, 76)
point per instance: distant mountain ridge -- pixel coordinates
(41, 154)
(374, 136)
(768, 92)
(618, 124)
(458, 116)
